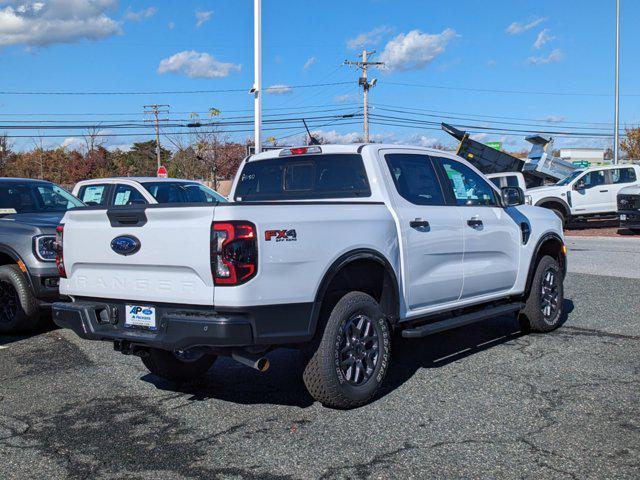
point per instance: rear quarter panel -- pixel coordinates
(291, 270)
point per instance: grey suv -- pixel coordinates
(30, 211)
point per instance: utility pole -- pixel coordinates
(365, 84)
(156, 110)
(616, 135)
(257, 66)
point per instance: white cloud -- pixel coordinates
(278, 89)
(140, 15)
(196, 65)
(422, 140)
(478, 137)
(415, 50)
(372, 37)
(332, 136)
(41, 23)
(203, 17)
(516, 28)
(543, 38)
(73, 143)
(555, 56)
(346, 98)
(492, 63)
(554, 118)
(171, 25)
(310, 61)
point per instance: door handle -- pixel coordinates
(419, 223)
(604, 191)
(475, 222)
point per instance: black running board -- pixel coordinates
(461, 321)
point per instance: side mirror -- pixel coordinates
(512, 196)
(580, 185)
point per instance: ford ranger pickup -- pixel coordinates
(327, 248)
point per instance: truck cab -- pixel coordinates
(586, 193)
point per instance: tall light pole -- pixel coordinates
(616, 134)
(257, 66)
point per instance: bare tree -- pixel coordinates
(93, 138)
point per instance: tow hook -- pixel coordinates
(250, 360)
(127, 348)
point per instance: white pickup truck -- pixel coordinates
(586, 193)
(329, 249)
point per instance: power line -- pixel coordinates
(518, 92)
(174, 92)
(185, 132)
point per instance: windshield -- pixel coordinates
(182, 192)
(570, 178)
(35, 198)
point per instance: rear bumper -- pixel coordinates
(181, 328)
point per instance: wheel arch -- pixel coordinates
(549, 244)
(555, 200)
(8, 255)
(354, 263)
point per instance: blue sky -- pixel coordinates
(453, 51)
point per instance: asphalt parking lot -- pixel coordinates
(480, 402)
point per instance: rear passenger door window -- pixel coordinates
(127, 195)
(94, 194)
(623, 175)
(469, 188)
(415, 178)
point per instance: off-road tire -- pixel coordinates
(21, 314)
(531, 316)
(167, 365)
(323, 377)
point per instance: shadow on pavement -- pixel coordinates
(46, 326)
(282, 383)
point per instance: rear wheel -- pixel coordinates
(561, 215)
(353, 354)
(177, 366)
(18, 307)
(543, 309)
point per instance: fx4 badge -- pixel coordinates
(281, 235)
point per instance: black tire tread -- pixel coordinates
(530, 317)
(319, 376)
(28, 315)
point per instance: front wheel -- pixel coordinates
(18, 307)
(543, 309)
(177, 366)
(352, 358)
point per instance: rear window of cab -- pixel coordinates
(303, 178)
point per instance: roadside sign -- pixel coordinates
(581, 164)
(162, 172)
(496, 145)
(252, 150)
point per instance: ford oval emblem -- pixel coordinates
(125, 245)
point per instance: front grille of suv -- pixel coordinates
(628, 202)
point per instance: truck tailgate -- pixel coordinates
(171, 265)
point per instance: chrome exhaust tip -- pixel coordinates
(254, 361)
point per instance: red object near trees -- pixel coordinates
(162, 172)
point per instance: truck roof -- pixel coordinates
(348, 148)
(137, 179)
(22, 180)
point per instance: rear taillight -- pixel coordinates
(234, 252)
(59, 254)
